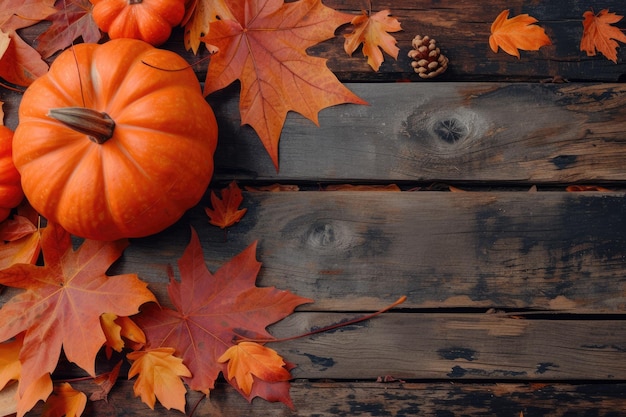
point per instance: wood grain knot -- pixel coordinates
(446, 130)
(329, 235)
(450, 130)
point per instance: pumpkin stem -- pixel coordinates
(97, 125)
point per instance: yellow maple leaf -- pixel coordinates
(600, 35)
(249, 358)
(66, 401)
(38, 390)
(519, 32)
(159, 373)
(10, 366)
(373, 32)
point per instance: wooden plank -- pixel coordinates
(369, 399)
(456, 132)
(462, 29)
(359, 251)
(456, 346)
(530, 133)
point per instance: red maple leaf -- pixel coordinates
(211, 310)
(264, 47)
(225, 211)
(63, 301)
(72, 20)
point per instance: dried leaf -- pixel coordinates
(574, 188)
(116, 329)
(23, 250)
(201, 14)
(212, 310)
(20, 64)
(10, 366)
(600, 35)
(225, 211)
(65, 401)
(264, 47)
(37, 391)
(249, 358)
(105, 382)
(519, 32)
(63, 301)
(8, 400)
(16, 228)
(159, 373)
(372, 32)
(72, 20)
(18, 14)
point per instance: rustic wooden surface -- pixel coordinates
(516, 288)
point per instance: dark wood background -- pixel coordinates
(516, 287)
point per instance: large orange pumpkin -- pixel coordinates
(149, 20)
(10, 189)
(115, 141)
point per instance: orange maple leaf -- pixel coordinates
(63, 301)
(264, 47)
(248, 359)
(372, 32)
(66, 401)
(213, 309)
(599, 35)
(159, 373)
(516, 33)
(225, 211)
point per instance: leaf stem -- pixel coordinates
(329, 328)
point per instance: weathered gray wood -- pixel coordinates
(529, 133)
(455, 346)
(360, 251)
(371, 399)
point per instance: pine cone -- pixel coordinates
(428, 61)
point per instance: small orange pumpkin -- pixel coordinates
(10, 189)
(148, 20)
(115, 141)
